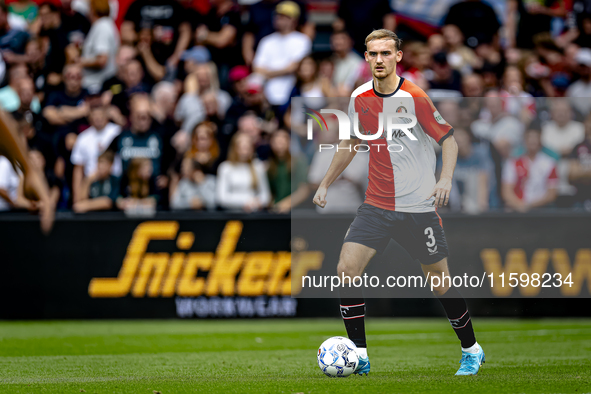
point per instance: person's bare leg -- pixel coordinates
(34, 185)
(352, 262)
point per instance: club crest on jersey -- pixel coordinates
(401, 109)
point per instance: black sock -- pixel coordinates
(457, 314)
(353, 313)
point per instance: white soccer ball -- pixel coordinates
(337, 357)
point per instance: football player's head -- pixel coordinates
(383, 52)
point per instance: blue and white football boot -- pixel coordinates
(471, 363)
(363, 366)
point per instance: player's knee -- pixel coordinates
(347, 269)
(440, 290)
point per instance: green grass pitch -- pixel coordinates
(279, 356)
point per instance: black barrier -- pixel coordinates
(185, 265)
(232, 265)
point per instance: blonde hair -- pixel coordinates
(384, 34)
(233, 158)
(101, 7)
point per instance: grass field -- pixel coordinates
(279, 356)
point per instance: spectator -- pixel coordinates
(53, 29)
(100, 189)
(418, 63)
(167, 25)
(562, 133)
(12, 41)
(164, 97)
(242, 180)
(445, 81)
(345, 194)
(359, 18)
(280, 165)
(9, 95)
(476, 19)
(203, 80)
(115, 84)
(90, 144)
(220, 32)
(30, 125)
(470, 191)
(516, 101)
(36, 62)
(258, 130)
(250, 99)
(530, 181)
(309, 83)
(580, 169)
(472, 86)
(100, 47)
(9, 186)
(76, 23)
(138, 187)
(24, 8)
(504, 131)
(533, 17)
(459, 56)
(28, 102)
(580, 91)
(141, 140)
(278, 55)
(195, 190)
(260, 24)
(37, 159)
(287, 175)
(347, 63)
(204, 147)
(133, 75)
(67, 109)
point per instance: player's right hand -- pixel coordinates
(320, 197)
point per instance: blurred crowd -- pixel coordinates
(185, 105)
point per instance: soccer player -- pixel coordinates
(402, 194)
(34, 184)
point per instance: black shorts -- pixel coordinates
(421, 234)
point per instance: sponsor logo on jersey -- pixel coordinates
(438, 118)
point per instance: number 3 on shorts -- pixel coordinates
(431, 239)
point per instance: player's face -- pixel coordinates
(382, 57)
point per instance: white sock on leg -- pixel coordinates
(362, 352)
(472, 349)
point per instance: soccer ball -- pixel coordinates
(337, 357)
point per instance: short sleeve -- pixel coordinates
(261, 56)
(509, 173)
(301, 49)
(78, 154)
(431, 120)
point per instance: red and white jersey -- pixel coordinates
(401, 170)
(531, 179)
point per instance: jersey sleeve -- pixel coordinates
(509, 175)
(431, 120)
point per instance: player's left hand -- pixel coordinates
(441, 192)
